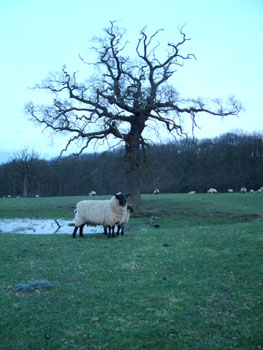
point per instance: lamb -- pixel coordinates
(100, 212)
(121, 225)
(212, 190)
(156, 191)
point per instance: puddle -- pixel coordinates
(49, 226)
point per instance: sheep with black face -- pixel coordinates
(120, 226)
(100, 212)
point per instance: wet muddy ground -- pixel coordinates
(34, 226)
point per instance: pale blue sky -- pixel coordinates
(38, 37)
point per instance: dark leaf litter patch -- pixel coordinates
(32, 286)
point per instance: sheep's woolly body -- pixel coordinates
(100, 212)
(212, 190)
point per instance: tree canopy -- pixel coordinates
(123, 98)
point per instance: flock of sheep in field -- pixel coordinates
(157, 191)
(243, 189)
(115, 211)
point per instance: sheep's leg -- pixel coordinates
(105, 230)
(81, 230)
(118, 230)
(109, 231)
(74, 232)
(122, 230)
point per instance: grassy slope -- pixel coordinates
(194, 283)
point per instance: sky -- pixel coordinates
(39, 37)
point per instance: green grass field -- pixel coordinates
(196, 282)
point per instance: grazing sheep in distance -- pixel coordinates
(156, 191)
(191, 192)
(100, 212)
(92, 193)
(243, 189)
(212, 190)
(230, 190)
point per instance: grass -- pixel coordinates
(38, 208)
(196, 282)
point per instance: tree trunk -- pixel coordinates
(14, 187)
(133, 159)
(25, 186)
(133, 176)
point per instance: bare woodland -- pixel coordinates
(228, 161)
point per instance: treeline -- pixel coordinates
(228, 161)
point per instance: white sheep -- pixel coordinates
(212, 190)
(243, 189)
(100, 212)
(92, 193)
(191, 192)
(156, 191)
(121, 224)
(230, 190)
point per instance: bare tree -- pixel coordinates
(125, 98)
(25, 164)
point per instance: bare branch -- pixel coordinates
(123, 94)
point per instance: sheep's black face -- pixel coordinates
(121, 198)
